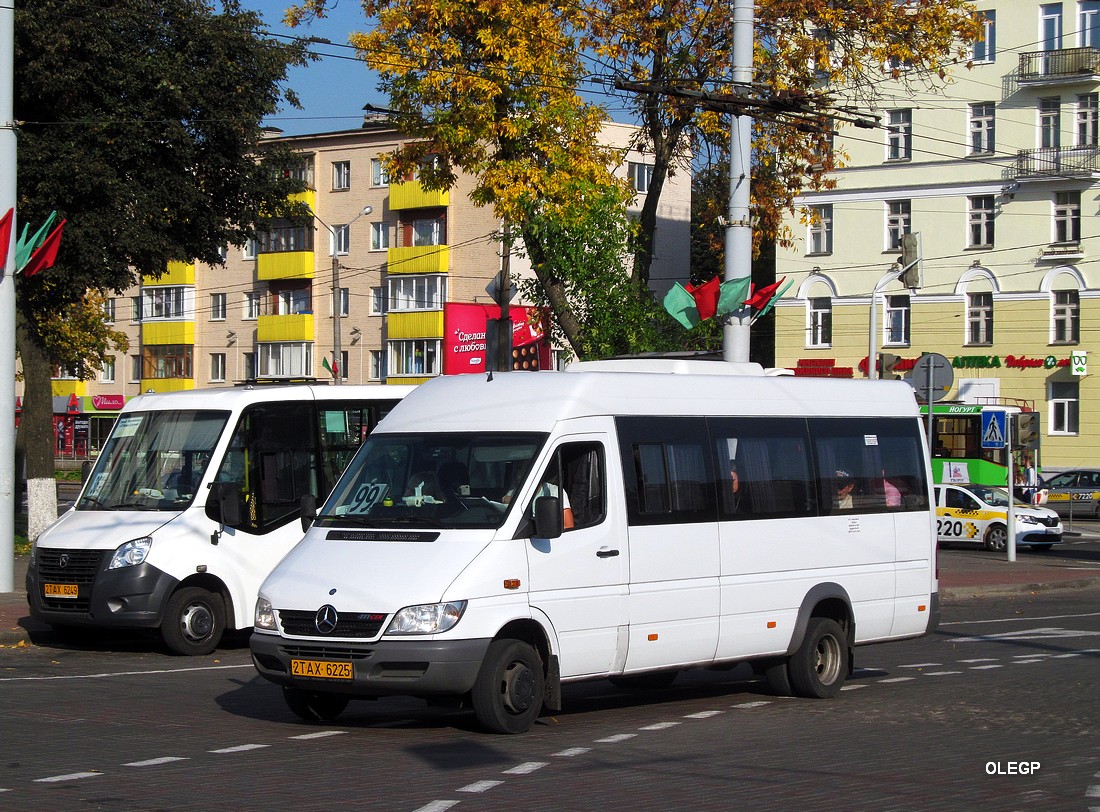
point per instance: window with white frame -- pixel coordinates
(341, 176)
(981, 215)
(378, 301)
(983, 119)
(417, 356)
(163, 303)
(1050, 122)
(979, 318)
(217, 306)
(1065, 325)
(284, 238)
(344, 297)
(417, 292)
(1088, 23)
(135, 368)
(344, 361)
(820, 236)
(426, 232)
(377, 365)
(899, 135)
(1067, 217)
(898, 216)
(248, 361)
(1050, 26)
(1088, 116)
(820, 321)
(107, 370)
(109, 310)
(896, 323)
(339, 240)
(379, 236)
(253, 303)
(251, 248)
(641, 176)
(217, 367)
(1065, 398)
(291, 359)
(985, 49)
(135, 308)
(378, 174)
(293, 301)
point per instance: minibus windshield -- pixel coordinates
(434, 480)
(153, 461)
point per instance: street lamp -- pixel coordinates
(336, 351)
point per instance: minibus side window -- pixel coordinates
(582, 466)
(667, 470)
(763, 467)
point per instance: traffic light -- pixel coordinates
(887, 363)
(910, 261)
(1027, 430)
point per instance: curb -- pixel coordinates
(963, 593)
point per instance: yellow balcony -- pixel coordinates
(421, 324)
(67, 388)
(419, 259)
(168, 332)
(285, 265)
(411, 195)
(167, 384)
(297, 327)
(178, 273)
(309, 197)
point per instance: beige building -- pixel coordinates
(397, 254)
(999, 178)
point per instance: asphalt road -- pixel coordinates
(994, 711)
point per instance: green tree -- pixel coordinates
(140, 124)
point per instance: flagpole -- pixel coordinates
(7, 302)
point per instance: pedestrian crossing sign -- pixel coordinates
(994, 434)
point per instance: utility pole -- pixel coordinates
(7, 301)
(338, 371)
(738, 262)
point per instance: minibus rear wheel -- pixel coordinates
(818, 668)
(508, 693)
(314, 706)
(193, 621)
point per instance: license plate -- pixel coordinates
(61, 590)
(321, 669)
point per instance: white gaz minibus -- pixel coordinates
(498, 537)
(194, 498)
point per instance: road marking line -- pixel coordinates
(897, 679)
(1065, 656)
(1037, 656)
(1026, 662)
(919, 665)
(1016, 619)
(526, 768)
(320, 735)
(618, 737)
(124, 673)
(240, 748)
(941, 673)
(479, 786)
(703, 714)
(984, 667)
(852, 687)
(747, 705)
(437, 806)
(980, 660)
(155, 762)
(53, 779)
(572, 751)
(660, 726)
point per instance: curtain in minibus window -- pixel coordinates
(763, 467)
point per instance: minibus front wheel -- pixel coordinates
(507, 696)
(194, 620)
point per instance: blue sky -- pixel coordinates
(333, 89)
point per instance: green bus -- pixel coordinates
(956, 444)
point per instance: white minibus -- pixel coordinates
(194, 498)
(500, 536)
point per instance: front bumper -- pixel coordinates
(1042, 535)
(385, 668)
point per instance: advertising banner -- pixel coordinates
(464, 337)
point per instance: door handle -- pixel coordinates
(606, 553)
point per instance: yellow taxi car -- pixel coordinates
(978, 514)
(1075, 493)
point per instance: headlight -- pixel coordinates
(1025, 519)
(265, 615)
(131, 553)
(429, 618)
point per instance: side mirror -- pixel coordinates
(548, 517)
(309, 510)
(224, 504)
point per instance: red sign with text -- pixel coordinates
(464, 335)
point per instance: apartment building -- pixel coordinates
(998, 177)
(392, 280)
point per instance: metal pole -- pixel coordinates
(872, 343)
(7, 302)
(1010, 477)
(338, 371)
(738, 243)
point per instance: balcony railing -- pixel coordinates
(1063, 162)
(1059, 65)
